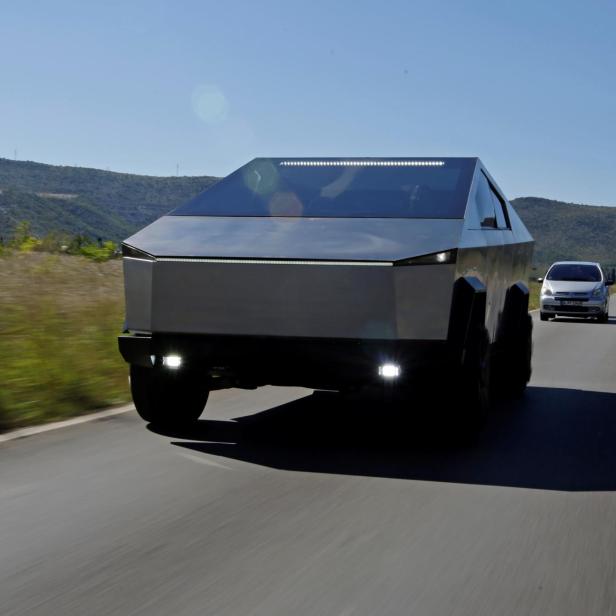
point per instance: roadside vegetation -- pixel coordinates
(23, 241)
(535, 289)
(59, 318)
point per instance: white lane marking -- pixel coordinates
(56, 425)
(202, 460)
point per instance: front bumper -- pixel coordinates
(318, 363)
(585, 308)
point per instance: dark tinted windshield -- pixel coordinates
(350, 188)
(575, 272)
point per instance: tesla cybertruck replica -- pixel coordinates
(338, 274)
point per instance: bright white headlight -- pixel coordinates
(389, 371)
(172, 361)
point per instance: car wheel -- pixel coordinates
(543, 316)
(165, 397)
(520, 363)
(470, 400)
(604, 318)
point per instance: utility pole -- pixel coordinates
(15, 153)
(177, 169)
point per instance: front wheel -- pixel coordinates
(166, 397)
(543, 316)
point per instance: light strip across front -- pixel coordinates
(276, 261)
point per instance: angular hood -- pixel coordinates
(371, 239)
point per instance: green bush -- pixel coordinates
(58, 242)
(103, 252)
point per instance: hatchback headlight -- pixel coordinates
(597, 292)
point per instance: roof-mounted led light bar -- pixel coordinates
(362, 163)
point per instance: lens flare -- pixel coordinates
(285, 204)
(261, 177)
(210, 104)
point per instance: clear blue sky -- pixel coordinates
(528, 86)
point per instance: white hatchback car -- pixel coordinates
(575, 289)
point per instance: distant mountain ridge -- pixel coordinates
(569, 231)
(113, 205)
(89, 201)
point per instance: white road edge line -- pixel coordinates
(203, 460)
(56, 425)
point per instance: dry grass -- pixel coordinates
(59, 319)
(534, 288)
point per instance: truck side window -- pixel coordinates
(502, 219)
(485, 203)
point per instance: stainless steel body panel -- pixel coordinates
(372, 239)
(499, 258)
(319, 301)
(138, 294)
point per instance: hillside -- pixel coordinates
(89, 201)
(113, 205)
(569, 231)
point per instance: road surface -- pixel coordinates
(283, 503)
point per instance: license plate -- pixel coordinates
(568, 302)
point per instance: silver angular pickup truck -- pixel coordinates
(330, 273)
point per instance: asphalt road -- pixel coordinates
(283, 503)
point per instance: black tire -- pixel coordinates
(604, 318)
(470, 400)
(543, 316)
(167, 397)
(519, 365)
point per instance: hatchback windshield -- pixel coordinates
(339, 188)
(577, 272)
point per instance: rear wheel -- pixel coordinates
(470, 400)
(166, 397)
(519, 364)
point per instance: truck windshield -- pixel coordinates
(575, 272)
(337, 188)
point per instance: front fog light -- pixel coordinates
(389, 371)
(172, 361)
